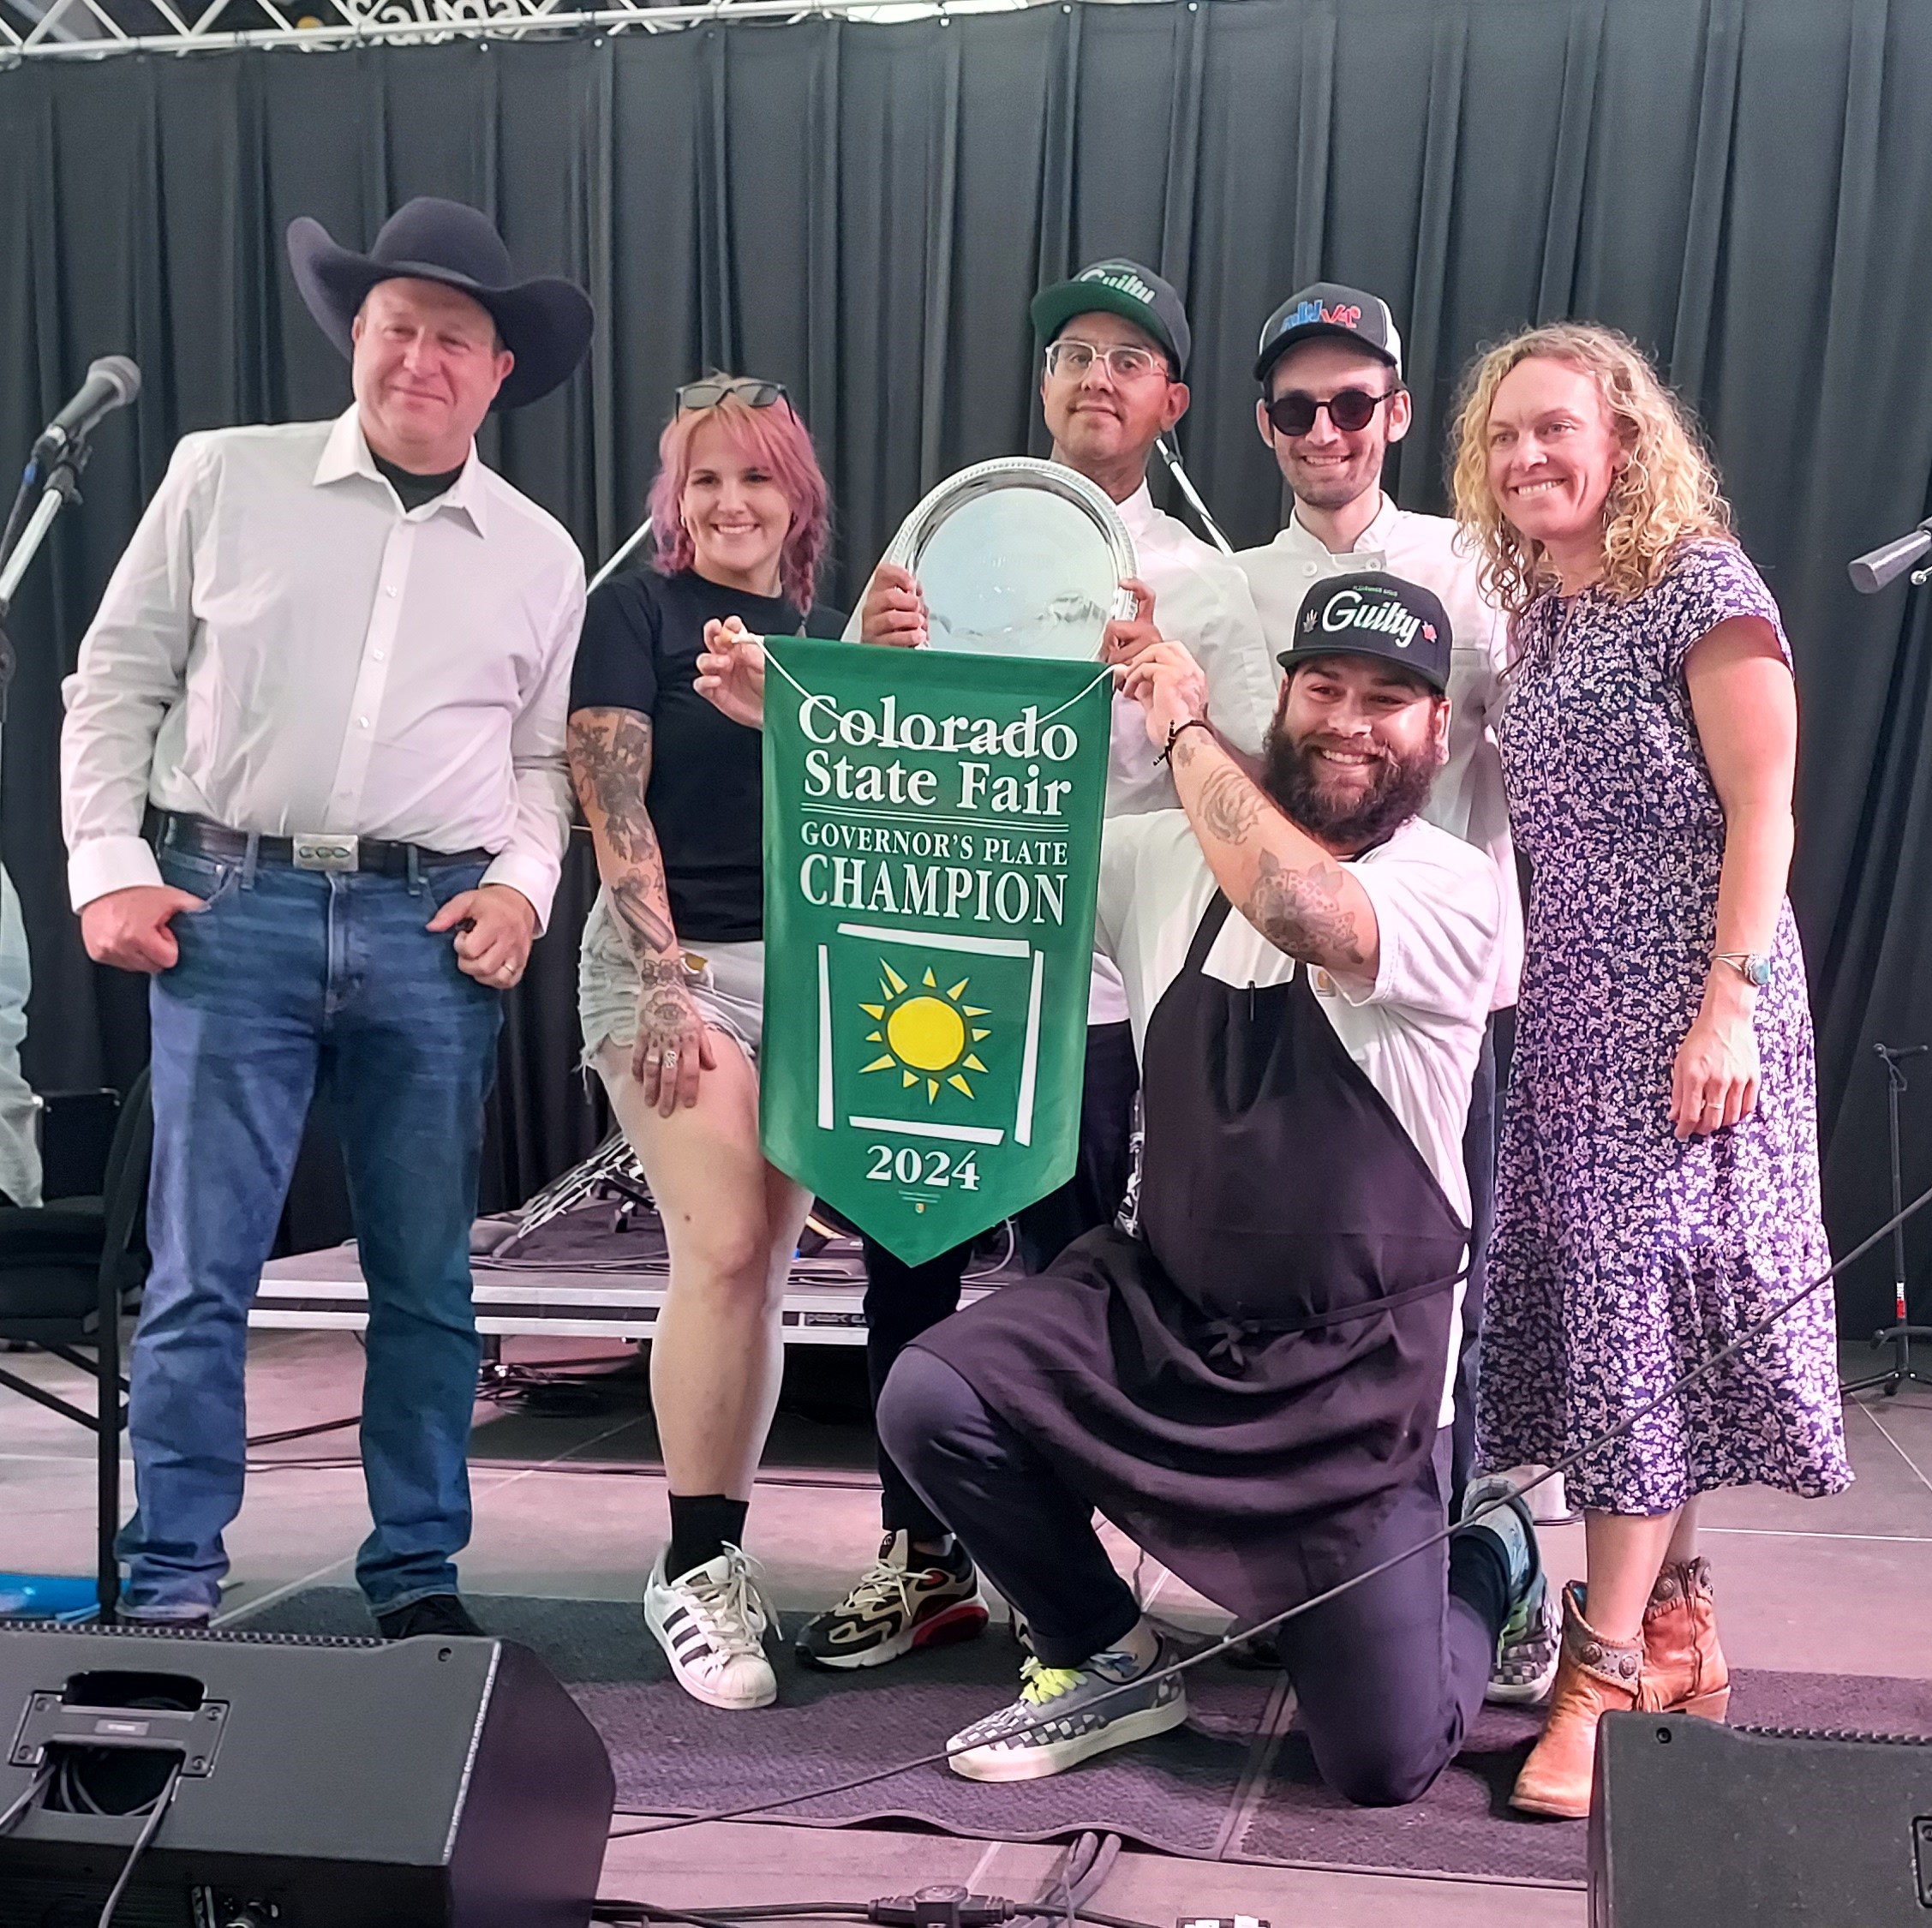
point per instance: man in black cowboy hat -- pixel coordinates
(313, 786)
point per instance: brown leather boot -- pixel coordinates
(1594, 1677)
(1684, 1666)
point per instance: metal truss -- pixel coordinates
(95, 29)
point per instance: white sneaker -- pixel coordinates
(711, 1623)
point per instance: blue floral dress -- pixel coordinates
(1623, 1256)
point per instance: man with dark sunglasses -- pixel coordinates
(1115, 342)
(1332, 400)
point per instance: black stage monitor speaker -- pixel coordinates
(429, 1783)
(1701, 1826)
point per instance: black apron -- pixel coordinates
(1245, 1389)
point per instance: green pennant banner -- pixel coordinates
(932, 842)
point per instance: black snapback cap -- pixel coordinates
(1330, 309)
(1125, 288)
(1374, 614)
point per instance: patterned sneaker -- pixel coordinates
(1527, 1656)
(711, 1623)
(1055, 1722)
(896, 1605)
(1532, 1637)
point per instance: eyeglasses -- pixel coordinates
(754, 394)
(1124, 363)
(1351, 410)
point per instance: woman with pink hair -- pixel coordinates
(671, 985)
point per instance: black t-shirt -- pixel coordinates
(413, 489)
(642, 634)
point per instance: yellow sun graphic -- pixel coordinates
(928, 1034)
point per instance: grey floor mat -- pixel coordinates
(1227, 1785)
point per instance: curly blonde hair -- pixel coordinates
(1666, 492)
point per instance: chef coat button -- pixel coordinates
(391, 590)
(362, 722)
(377, 654)
(1310, 568)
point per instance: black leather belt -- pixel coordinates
(170, 830)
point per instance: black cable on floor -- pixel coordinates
(628, 1912)
(1501, 1499)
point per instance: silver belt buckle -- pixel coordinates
(320, 853)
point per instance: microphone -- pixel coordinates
(1872, 571)
(112, 382)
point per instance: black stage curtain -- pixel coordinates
(863, 210)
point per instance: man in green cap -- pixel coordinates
(1116, 345)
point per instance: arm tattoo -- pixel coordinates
(641, 912)
(1229, 804)
(610, 754)
(1300, 911)
(610, 759)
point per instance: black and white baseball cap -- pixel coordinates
(1125, 288)
(1330, 309)
(1374, 614)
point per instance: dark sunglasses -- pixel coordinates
(1351, 411)
(754, 394)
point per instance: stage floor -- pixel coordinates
(566, 1507)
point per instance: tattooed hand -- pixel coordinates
(673, 1046)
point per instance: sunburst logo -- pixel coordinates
(928, 1034)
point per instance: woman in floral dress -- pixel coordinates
(1658, 1188)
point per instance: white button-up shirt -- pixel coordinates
(283, 649)
(1467, 798)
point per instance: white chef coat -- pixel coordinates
(282, 649)
(1201, 600)
(1467, 798)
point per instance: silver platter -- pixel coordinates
(1018, 558)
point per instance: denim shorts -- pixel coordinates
(727, 982)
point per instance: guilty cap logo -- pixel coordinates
(1374, 614)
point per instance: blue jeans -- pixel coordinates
(292, 984)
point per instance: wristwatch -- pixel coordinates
(1754, 969)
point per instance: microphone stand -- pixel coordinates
(63, 485)
(1901, 1332)
(623, 550)
(1171, 455)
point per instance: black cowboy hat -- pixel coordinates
(545, 323)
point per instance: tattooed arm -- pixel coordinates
(1273, 872)
(610, 759)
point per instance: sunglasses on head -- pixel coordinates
(1351, 410)
(754, 394)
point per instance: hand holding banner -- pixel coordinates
(931, 845)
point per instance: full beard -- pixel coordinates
(1293, 777)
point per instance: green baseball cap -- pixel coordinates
(1124, 288)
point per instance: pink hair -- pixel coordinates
(775, 440)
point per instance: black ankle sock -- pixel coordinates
(953, 1556)
(1479, 1575)
(702, 1525)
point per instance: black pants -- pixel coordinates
(903, 1301)
(1387, 1677)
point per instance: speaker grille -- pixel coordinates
(237, 1636)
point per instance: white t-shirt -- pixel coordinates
(1467, 798)
(1415, 1032)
